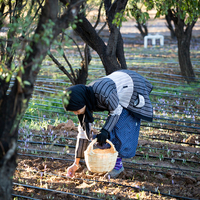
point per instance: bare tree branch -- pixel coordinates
(62, 68)
(99, 15)
(101, 29)
(79, 50)
(70, 66)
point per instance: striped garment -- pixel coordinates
(121, 89)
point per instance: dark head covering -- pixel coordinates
(79, 96)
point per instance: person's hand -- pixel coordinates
(102, 137)
(71, 170)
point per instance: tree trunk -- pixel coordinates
(112, 54)
(7, 169)
(184, 37)
(185, 61)
(13, 105)
(168, 18)
(90, 36)
(142, 28)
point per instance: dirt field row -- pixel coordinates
(158, 171)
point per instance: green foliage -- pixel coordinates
(20, 27)
(119, 18)
(76, 20)
(65, 98)
(59, 42)
(186, 10)
(134, 9)
(20, 31)
(47, 35)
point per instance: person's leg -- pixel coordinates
(125, 139)
(118, 164)
(118, 169)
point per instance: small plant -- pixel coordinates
(156, 189)
(161, 157)
(172, 160)
(168, 153)
(138, 196)
(82, 191)
(184, 161)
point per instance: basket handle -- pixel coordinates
(111, 144)
(90, 147)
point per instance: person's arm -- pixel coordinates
(108, 101)
(113, 118)
(77, 160)
(81, 146)
(82, 141)
(73, 168)
(109, 125)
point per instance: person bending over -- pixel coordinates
(125, 95)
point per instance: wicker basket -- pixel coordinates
(100, 160)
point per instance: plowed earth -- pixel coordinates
(160, 170)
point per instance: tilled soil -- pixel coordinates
(160, 170)
(166, 165)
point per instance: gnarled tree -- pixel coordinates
(112, 53)
(184, 14)
(140, 16)
(32, 51)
